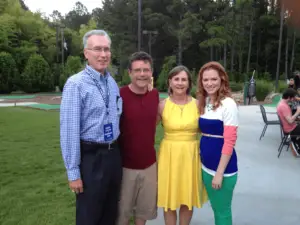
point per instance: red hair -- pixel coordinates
(224, 90)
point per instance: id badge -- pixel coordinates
(108, 132)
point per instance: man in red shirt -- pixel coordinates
(288, 120)
(137, 138)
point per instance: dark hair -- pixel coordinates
(176, 70)
(289, 93)
(140, 56)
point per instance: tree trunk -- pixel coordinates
(293, 52)
(279, 46)
(258, 49)
(232, 57)
(286, 55)
(250, 44)
(211, 53)
(225, 56)
(179, 50)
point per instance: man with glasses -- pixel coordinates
(89, 127)
(137, 138)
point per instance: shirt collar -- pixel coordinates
(96, 75)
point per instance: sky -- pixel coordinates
(63, 6)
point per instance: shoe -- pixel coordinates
(295, 150)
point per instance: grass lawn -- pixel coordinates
(33, 183)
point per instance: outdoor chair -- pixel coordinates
(267, 122)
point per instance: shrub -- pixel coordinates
(282, 85)
(37, 75)
(263, 88)
(8, 73)
(169, 63)
(73, 66)
(125, 78)
(57, 70)
(235, 87)
(193, 91)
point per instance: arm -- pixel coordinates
(161, 106)
(230, 120)
(70, 129)
(291, 118)
(230, 136)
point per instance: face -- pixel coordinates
(140, 73)
(179, 83)
(97, 52)
(292, 81)
(211, 81)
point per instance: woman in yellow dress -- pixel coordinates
(179, 179)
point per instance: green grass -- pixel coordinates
(33, 183)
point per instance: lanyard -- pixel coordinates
(105, 98)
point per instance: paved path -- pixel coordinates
(268, 189)
(17, 104)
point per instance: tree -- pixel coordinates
(8, 73)
(37, 75)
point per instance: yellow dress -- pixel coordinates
(179, 165)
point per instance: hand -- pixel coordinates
(298, 109)
(217, 181)
(76, 186)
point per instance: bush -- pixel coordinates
(265, 76)
(235, 87)
(8, 73)
(57, 70)
(193, 91)
(169, 63)
(282, 85)
(125, 78)
(37, 75)
(73, 66)
(263, 88)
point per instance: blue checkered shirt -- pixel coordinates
(83, 114)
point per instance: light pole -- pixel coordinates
(150, 33)
(139, 23)
(62, 45)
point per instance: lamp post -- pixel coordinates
(150, 33)
(139, 23)
(62, 44)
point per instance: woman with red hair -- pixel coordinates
(218, 123)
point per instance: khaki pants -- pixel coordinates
(138, 194)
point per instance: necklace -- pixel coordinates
(180, 105)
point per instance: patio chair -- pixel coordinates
(285, 140)
(267, 122)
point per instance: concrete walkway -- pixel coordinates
(17, 104)
(268, 189)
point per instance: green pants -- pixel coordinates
(220, 199)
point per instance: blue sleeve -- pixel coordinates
(70, 129)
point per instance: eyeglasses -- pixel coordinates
(140, 70)
(100, 49)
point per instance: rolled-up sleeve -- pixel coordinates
(70, 129)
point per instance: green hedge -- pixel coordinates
(8, 73)
(37, 76)
(263, 88)
(235, 87)
(73, 66)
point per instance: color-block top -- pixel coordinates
(223, 124)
